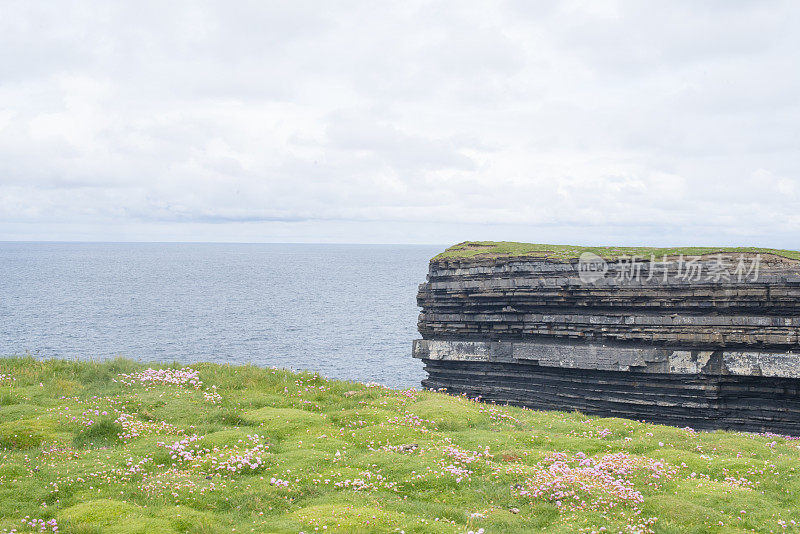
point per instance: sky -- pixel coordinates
(597, 122)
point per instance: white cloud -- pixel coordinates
(670, 123)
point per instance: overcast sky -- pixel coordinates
(401, 122)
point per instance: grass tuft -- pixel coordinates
(101, 434)
(501, 249)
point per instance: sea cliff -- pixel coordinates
(708, 338)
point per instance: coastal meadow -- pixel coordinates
(121, 447)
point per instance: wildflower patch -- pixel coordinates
(298, 453)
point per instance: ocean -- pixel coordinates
(346, 311)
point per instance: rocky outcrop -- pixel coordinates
(709, 342)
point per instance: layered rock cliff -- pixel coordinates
(708, 341)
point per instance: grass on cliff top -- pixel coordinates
(117, 448)
(495, 249)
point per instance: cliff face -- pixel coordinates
(709, 342)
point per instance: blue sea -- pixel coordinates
(346, 311)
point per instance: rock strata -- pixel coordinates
(708, 342)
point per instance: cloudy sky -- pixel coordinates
(401, 122)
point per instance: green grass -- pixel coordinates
(85, 447)
(495, 249)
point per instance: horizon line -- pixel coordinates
(100, 242)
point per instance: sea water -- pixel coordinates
(346, 311)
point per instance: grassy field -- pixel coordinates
(470, 249)
(117, 447)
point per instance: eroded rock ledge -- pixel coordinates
(709, 342)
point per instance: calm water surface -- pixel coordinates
(347, 311)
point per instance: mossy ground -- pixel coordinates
(264, 450)
(489, 249)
